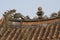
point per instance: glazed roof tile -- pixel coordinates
(50, 32)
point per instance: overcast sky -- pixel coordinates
(29, 7)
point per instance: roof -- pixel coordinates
(1, 21)
(38, 32)
(31, 29)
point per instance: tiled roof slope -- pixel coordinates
(1, 21)
(39, 32)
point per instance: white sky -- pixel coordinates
(29, 7)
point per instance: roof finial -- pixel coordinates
(40, 12)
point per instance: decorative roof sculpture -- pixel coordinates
(53, 15)
(18, 15)
(59, 13)
(40, 12)
(45, 17)
(40, 28)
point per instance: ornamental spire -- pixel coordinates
(40, 12)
